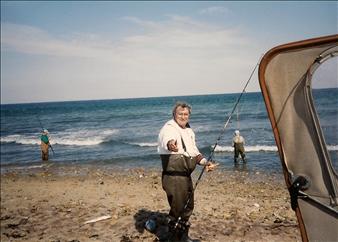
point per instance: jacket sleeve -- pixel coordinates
(167, 133)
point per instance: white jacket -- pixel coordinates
(171, 130)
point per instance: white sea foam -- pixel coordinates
(28, 167)
(96, 137)
(149, 144)
(78, 142)
(332, 147)
(258, 148)
(20, 139)
(202, 128)
(255, 148)
(69, 137)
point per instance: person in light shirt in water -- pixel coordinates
(44, 145)
(179, 156)
(238, 144)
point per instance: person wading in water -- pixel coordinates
(44, 145)
(238, 144)
(179, 156)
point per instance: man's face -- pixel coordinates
(182, 116)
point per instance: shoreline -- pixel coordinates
(52, 203)
(67, 168)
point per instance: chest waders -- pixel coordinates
(177, 183)
(44, 151)
(239, 150)
(180, 222)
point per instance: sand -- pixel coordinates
(53, 203)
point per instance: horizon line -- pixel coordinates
(123, 98)
(126, 98)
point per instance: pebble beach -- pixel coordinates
(88, 203)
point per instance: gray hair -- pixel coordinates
(183, 105)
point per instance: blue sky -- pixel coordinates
(62, 50)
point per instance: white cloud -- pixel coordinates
(207, 58)
(140, 21)
(166, 37)
(214, 10)
(32, 40)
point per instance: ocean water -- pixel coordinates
(124, 132)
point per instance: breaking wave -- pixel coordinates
(145, 144)
(258, 148)
(332, 147)
(20, 139)
(68, 137)
(255, 148)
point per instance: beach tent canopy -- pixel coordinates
(285, 75)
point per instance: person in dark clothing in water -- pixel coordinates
(179, 155)
(44, 145)
(238, 144)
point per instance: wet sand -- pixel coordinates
(54, 202)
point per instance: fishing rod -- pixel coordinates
(216, 143)
(42, 130)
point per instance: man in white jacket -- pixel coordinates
(179, 155)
